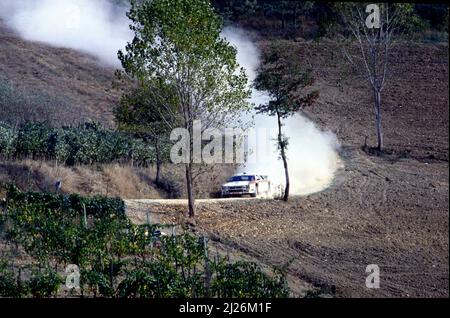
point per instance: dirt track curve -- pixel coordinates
(376, 212)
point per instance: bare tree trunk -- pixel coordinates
(282, 145)
(190, 190)
(189, 178)
(378, 120)
(286, 173)
(158, 171)
(158, 161)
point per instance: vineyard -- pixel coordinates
(86, 143)
(115, 258)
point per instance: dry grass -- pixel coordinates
(111, 180)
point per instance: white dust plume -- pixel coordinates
(312, 153)
(97, 27)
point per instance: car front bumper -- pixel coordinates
(237, 191)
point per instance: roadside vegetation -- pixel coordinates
(44, 138)
(113, 257)
(87, 143)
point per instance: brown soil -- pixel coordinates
(375, 213)
(389, 210)
(68, 74)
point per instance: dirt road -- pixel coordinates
(375, 213)
(391, 210)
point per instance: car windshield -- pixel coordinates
(241, 178)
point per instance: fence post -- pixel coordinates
(84, 216)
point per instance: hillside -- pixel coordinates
(66, 74)
(390, 210)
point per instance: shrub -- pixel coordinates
(97, 206)
(88, 143)
(8, 283)
(117, 258)
(244, 279)
(44, 283)
(8, 138)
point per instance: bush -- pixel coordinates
(88, 143)
(33, 141)
(244, 279)
(44, 283)
(117, 258)
(8, 138)
(8, 282)
(97, 206)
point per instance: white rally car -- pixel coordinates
(246, 184)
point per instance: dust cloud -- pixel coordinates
(312, 153)
(98, 27)
(101, 28)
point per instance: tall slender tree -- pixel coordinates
(289, 86)
(178, 54)
(373, 29)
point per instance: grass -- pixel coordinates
(125, 181)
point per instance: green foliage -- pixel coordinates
(159, 280)
(285, 79)
(289, 86)
(117, 258)
(32, 139)
(8, 282)
(246, 280)
(188, 71)
(73, 204)
(231, 10)
(88, 143)
(8, 137)
(141, 114)
(44, 283)
(146, 117)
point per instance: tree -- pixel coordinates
(287, 83)
(373, 28)
(287, 11)
(178, 54)
(138, 113)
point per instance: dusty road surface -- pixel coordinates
(376, 212)
(390, 210)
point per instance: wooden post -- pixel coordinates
(84, 216)
(149, 217)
